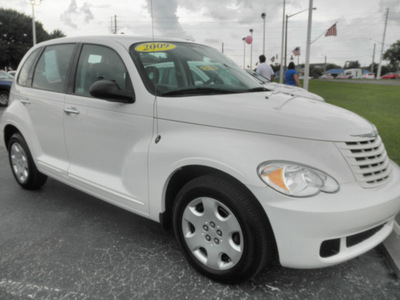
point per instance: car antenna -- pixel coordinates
(155, 110)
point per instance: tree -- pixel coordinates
(57, 33)
(332, 66)
(16, 36)
(393, 55)
(385, 68)
(353, 65)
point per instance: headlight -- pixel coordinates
(296, 180)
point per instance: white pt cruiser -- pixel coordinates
(176, 132)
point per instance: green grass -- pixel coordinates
(380, 104)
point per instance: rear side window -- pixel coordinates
(51, 69)
(23, 76)
(97, 63)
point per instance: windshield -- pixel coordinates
(257, 76)
(186, 69)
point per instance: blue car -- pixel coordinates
(5, 85)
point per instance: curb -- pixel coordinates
(392, 246)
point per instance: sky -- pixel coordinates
(360, 24)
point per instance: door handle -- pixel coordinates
(25, 101)
(71, 110)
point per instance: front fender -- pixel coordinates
(233, 152)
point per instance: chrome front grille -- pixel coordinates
(368, 160)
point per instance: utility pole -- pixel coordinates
(115, 25)
(263, 15)
(251, 50)
(244, 52)
(373, 59)
(222, 47)
(307, 66)
(283, 42)
(383, 44)
(286, 43)
(325, 65)
(33, 3)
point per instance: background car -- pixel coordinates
(12, 73)
(367, 76)
(326, 76)
(390, 76)
(342, 76)
(5, 85)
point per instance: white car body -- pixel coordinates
(128, 154)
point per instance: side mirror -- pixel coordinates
(110, 91)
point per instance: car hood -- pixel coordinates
(269, 113)
(290, 89)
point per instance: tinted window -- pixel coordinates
(24, 73)
(97, 63)
(51, 69)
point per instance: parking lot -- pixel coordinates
(366, 81)
(59, 243)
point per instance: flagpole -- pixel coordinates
(307, 65)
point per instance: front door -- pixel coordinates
(107, 142)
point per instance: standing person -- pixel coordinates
(264, 69)
(291, 76)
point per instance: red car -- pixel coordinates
(390, 76)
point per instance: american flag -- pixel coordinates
(296, 51)
(331, 31)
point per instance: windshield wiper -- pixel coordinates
(200, 90)
(258, 89)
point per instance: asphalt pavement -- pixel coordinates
(59, 243)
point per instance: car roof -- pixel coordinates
(125, 40)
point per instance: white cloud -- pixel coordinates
(214, 22)
(73, 15)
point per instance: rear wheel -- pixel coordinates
(222, 229)
(22, 164)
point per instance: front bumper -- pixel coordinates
(328, 229)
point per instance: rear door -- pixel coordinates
(43, 97)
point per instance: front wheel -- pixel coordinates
(222, 229)
(22, 164)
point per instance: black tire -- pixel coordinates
(4, 95)
(22, 164)
(222, 229)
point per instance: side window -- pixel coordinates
(25, 70)
(97, 63)
(51, 69)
